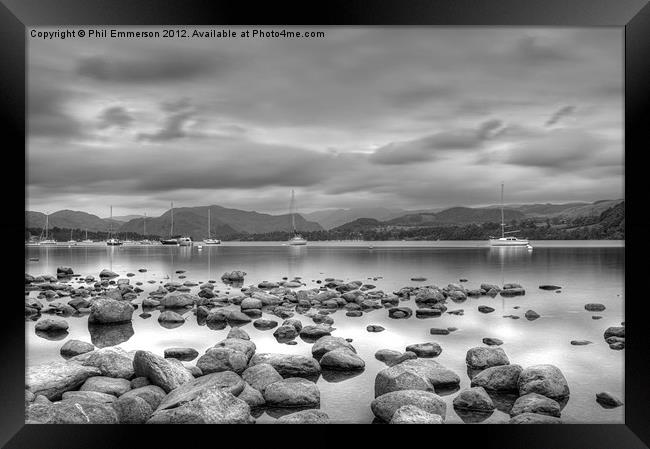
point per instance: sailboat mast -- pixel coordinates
(171, 234)
(47, 224)
(503, 224)
(292, 207)
(144, 224)
(110, 225)
(208, 222)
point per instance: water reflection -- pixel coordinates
(472, 417)
(333, 376)
(52, 335)
(103, 335)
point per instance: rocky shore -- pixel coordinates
(99, 382)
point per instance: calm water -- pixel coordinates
(587, 271)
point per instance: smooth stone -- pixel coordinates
(328, 343)
(580, 342)
(425, 349)
(385, 406)
(535, 403)
(52, 379)
(132, 410)
(245, 346)
(140, 382)
(481, 357)
(485, 309)
(108, 385)
(260, 376)
(427, 313)
(315, 332)
(160, 371)
(264, 324)
(238, 332)
(169, 316)
(89, 396)
(615, 331)
(285, 332)
(418, 374)
(178, 300)
(184, 354)
(305, 417)
(498, 378)
(222, 359)
(400, 312)
(226, 381)
(474, 399)
(531, 315)
(150, 393)
(210, 406)
(375, 328)
(292, 392)
(110, 311)
(75, 411)
(550, 287)
(252, 397)
(73, 348)
(51, 325)
(546, 380)
(438, 331)
(594, 307)
(534, 418)
(491, 341)
(288, 365)
(387, 355)
(410, 414)
(342, 359)
(608, 400)
(112, 362)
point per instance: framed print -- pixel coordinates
(365, 213)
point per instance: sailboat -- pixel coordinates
(112, 241)
(144, 231)
(171, 240)
(71, 241)
(507, 240)
(47, 241)
(209, 240)
(87, 240)
(297, 238)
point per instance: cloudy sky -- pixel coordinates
(415, 118)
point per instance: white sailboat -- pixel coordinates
(297, 238)
(87, 240)
(508, 241)
(71, 241)
(144, 231)
(210, 240)
(112, 241)
(47, 241)
(171, 240)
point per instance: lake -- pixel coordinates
(587, 271)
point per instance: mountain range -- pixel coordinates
(230, 223)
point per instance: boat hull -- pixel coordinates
(169, 242)
(212, 242)
(297, 242)
(509, 243)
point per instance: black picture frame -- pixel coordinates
(632, 15)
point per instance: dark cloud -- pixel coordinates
(147, 68)
(534, 50)
(179, 112)
(417, 95)
(115, 116)
(560, 114)
(47, 116)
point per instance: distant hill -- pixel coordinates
(69, 219)
(332, 218)
(359, 224)
(224, 223)
(125, 218)
(545, 209)
(456, 215)
(589, 210)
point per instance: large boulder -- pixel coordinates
(328, 343)
(112, 362)
(52, 325)
(385, 406)
(418, 374)
(289, 365)
(315, 332)
(482, 357)
(160, 371)
(108, 274)
(178, 300)
(535, 403)
(245, 346)
(222, 359)
(342, 359)
(108, 385)
(410, 414)
(150, 393)
(52, 379)
(305, 417)
(72, 348)
(110, 311)
(89, 396)
(292, 392)
(252, 397)
(210, 406)
(132, 410)
(169, 316)
(498, 378)
(425, 349)
(546, 380)
(260, 376)
(474, 399)
(183, 354)
(227, 381)
(251, 303)
(76, 411)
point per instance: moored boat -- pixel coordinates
(210, 240)
(507, 241)
(297, 239)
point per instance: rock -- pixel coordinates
(410, 414)
(375, 328)
(111, 362)
(485, 309)
(132, 410)
(305, 417)
(251, 303)
(490, 341)
(53, 325)
(481, 357)
(400, 312)
(103, 335)
(546, 380)
(408, 355)
(288, 365)
(108, 385)
(148, 302)
(428, 313)
(238, 332)
(178, 300)
(235, 316)
(315, 332)
(184, 354)
(615, 331)
(233, 276)
(89, 396)
(160, 371)
(438, 331)
(608, 400)
(594, 307)
(108, 274)
(226, 381)
(328, 343)
(488, 287)
(74, 411)
(73, 348)
(498, 378)
(342, 359)
(418, 279)
(531, 315)
(550, 287)
(535, 403)
(210, 406)
(418, 374)
(534, 418)
(245, 346)
(617, 346)
(385, 406)
(260, 376)
(475, 399)
(140, 382)
(110, 311)
(387, 355)
(264, 324)
(425, 349)
(150, 393)
(252, 397)
(580, 342)
(292, 392)
(285, 332)
(512, 292)
(170, 317)
(222, 359)
(293, 322)
(52, 379)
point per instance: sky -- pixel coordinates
(400, 117)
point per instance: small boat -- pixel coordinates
(507, 241)
(87, 240)
(171, 240)
(46, 241)
(297, 239)
(209, 240)
(145, 242)
(112, 241)
(184, 241)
